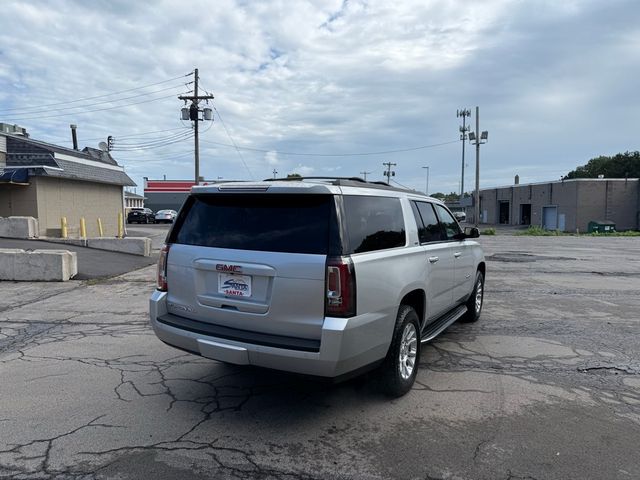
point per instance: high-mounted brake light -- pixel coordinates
(341, 287)
(162, 269)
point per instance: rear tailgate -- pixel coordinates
(254, 262)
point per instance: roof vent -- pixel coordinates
(13, 129)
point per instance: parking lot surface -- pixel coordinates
(545, 386)
(92, 263)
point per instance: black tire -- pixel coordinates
(393, 377)
(475, 301)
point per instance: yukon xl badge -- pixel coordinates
(177, 306)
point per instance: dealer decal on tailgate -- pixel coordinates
(234, 285)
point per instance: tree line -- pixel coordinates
(621, 165)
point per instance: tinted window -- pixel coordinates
(264, 222)
(450, 224)
(430, 230)
(373, 223)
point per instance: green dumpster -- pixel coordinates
(601, 226)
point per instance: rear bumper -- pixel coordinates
(346, 344)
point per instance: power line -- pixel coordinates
(104, 101)
(156, 155)
(104, 95)
(91, 111)
(118, 143)
(403, 186)
(134, 135)
(147, 147)
(355, 154)
(234, 143)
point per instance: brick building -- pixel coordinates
(567, 205)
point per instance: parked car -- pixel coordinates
(141, 215)
(320, 277)
(165, 216)
(460, 215)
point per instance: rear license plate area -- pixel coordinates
(234, 285)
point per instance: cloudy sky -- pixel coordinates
(302, 86)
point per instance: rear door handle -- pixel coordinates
(433, 259)
(457, 254)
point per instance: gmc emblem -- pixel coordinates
(228, 268)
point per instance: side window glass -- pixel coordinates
(374, 223)
(419, 224)
(449, 223)
(432, 231)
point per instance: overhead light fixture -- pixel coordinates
(472, 136)
(484, 135)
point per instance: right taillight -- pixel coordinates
(341, 287)
(162, 269)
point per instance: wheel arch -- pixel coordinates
(482, 268)
(416, 299)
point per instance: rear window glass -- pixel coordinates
(373, 223)
(264, 222)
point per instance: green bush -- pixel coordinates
(537, 231)
(627, 233)
(488, 231)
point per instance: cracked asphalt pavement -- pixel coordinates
(545, 386)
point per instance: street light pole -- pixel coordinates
(477, 139)
(426, 190)
(477, 205)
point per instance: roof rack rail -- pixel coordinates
(347, 182)
(289, 179)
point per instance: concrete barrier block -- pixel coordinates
(18, 227)
(38, 265)
(133, 245)
(8, 263)
(78, 242)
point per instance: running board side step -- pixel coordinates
(435, 328)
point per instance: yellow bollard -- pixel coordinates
(120, 225)
(100, 232)
(63, 227)
(83, 229)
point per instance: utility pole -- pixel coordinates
(464, 113)
(426, 190)
(478, 139)
(192, 113)
(389, 173)
(365, 175)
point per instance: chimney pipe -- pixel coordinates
(74, 137)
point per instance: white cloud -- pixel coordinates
(271, 158)
(332, 77)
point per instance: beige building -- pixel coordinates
(48, 182)
(567, 205)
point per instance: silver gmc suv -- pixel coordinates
(327, 277)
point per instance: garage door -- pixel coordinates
(550, 218)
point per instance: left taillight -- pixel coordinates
(162, 269)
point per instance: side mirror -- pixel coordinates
(471, 232)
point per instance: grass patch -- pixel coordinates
(488, 231)
(628, 233)
(536, 231)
